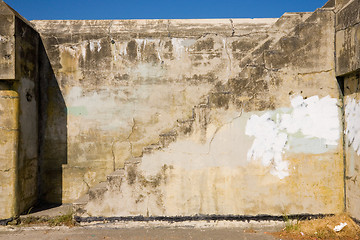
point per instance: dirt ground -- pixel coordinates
(340, 227)
(83, 233)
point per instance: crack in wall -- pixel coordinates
(128, 138)
(113, 154)
(219, 128)
(232, 27)
(87, 185)
(316, 72)
(168, 28)
(109, 32)
(229, 57)
(249, 34)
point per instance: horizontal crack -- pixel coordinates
(323, 71)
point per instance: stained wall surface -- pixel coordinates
(259, 96)
(27, 42)
(9, 110)
(352, 153)
(347, 70)
(18, 113)
(125, 82)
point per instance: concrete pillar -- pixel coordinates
(19, 100)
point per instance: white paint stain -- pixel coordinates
(75, 50)
(122, 49)
(180, 46)
(311, 118)
(95, 45)
(83, 53)
(92, 47)
(269, 143)
(352, 118)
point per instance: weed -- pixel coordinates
(322, 228)
(291, 226)
(33, 220)
(62, 220)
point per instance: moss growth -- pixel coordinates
(62, 220)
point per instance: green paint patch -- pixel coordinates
(302, 144)
(77, 111)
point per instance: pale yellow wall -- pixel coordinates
(9, 135)
(124, 83)
(347, 69)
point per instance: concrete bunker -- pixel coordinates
(181, 118)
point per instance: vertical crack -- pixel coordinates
(168, 28)
(87, 185)
(113, 154)
(218, 129)
(109, 32)
(232, 27)
(128, 138)
(228, 55)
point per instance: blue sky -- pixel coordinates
(159, 9)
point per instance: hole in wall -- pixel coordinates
(28, 97)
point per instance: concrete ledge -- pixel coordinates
(4, 222)
(240, 218)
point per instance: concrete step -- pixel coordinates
(115, 179)
(167, 138)
(78, 206)
(97, 191)
(117, 174)
(151, 148)
(185, 127)
(133, 161)
(202, 114)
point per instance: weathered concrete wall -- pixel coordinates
(347, 35)
(232, 116)
(347, 68)
(269, 137)
(352, 144)
(123, 85)
(265, 133)
(19, 113)
(26, 60)
(53, 132)
(9, 129)
(7, 42)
